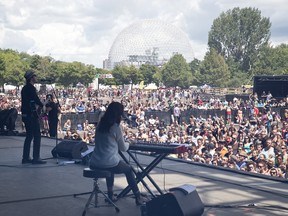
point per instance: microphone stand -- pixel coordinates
(58, 107)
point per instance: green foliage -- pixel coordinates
(148, 72)
(238, 50)
(2, 69)
(195, 69)
(272, 61)
(35, 63)
(125, 75)
(239, 80)
(69, 74)
(240, 34)
(176, 72)
(157, 77)
(12, 68)
(134, 74)
(88, 73)
(213, 70)
(120, 74)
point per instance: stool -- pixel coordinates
(96, 174)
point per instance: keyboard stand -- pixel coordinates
(143, 173)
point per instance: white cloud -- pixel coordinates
(85, 30)
(62, 38)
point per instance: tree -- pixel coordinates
(148, 71)
(195, 69)
(88, 74)
(124, 74)
(35, 63)
(13, 68)
(240, 34)
(120, 74)
(176, 72)
(71, 73)
(134, 74)
(42, 65)
(46, 67)
(2, 70)
(213, 69)
(272, 61)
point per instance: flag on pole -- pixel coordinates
(141, 85)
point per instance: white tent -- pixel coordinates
(205, 86)
(9, 87)
(151, 86)
(80, 85)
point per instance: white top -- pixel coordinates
(107, 146)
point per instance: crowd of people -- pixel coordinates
(256, 143)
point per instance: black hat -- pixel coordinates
(29, 74)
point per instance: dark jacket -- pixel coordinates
(29, 99)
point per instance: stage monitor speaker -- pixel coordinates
(178, 202)
(71, 149)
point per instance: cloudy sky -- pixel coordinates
(84, 30)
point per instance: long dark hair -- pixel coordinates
(112, 115)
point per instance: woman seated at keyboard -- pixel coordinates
(108, 141)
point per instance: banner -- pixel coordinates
(104, 76)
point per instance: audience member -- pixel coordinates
(217, 140)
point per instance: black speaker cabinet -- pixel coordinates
(177, 202)
(69, 149)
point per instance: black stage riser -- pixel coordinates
(277, 85)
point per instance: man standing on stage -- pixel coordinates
(53, 110)
(30, 103)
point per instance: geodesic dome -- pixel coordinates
(149, 41)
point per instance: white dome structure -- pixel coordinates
(149, 41)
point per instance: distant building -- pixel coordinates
(149, 41)
(105, 64)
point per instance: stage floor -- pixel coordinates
(47, 190)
